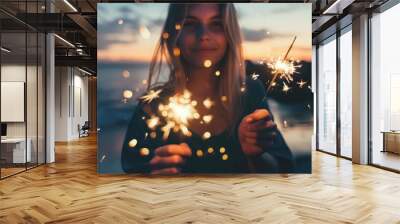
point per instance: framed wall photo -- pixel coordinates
(12, 101)
(204, 88)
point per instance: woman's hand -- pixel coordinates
(169, 158)
(256, 132)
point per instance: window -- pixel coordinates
(346, 93)
(327, 96)
(385, 89)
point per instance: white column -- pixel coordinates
(50, 100)
(50, 91)
(360, 90)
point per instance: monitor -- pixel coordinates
(3, 129)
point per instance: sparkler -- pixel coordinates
(177, 113)
(283, 69)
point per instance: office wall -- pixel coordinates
(17, 73)
(71, 102)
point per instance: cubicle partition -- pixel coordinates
(22, 77)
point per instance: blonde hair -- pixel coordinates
(232, 68)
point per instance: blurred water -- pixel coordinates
(294, 119)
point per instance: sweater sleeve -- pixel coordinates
(278, 157)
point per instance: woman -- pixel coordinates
(201, 44)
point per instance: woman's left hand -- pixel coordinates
(257, 132)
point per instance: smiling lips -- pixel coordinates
(205, 50)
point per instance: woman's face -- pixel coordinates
(202, 38)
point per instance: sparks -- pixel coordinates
(199, 153)
(301, 83)
(207, 63)
(153, 122)
(127, 94)
(283, 68)
(207, 118)
(224, 98)
(285, 88)
(177, 113)
(125, 74)
(206, 135)
(102, 158)
(151, 95)
(132, 143)
(208, 103)
(144, 151)
(165, 35)
(153, 134)
(176, 51)
(254, 76)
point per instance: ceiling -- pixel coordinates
(76, 22)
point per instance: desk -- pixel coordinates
(13, 150)
(391, 141)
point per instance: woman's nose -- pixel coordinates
(203, 33)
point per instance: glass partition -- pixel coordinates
(13, 103)
(22, 77)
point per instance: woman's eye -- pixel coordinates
(216, 26)
(189, 25)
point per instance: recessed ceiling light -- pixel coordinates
(5, 50)
(84, 71)
(64, 40)
(70, 5)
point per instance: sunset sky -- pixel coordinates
(127, 32)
